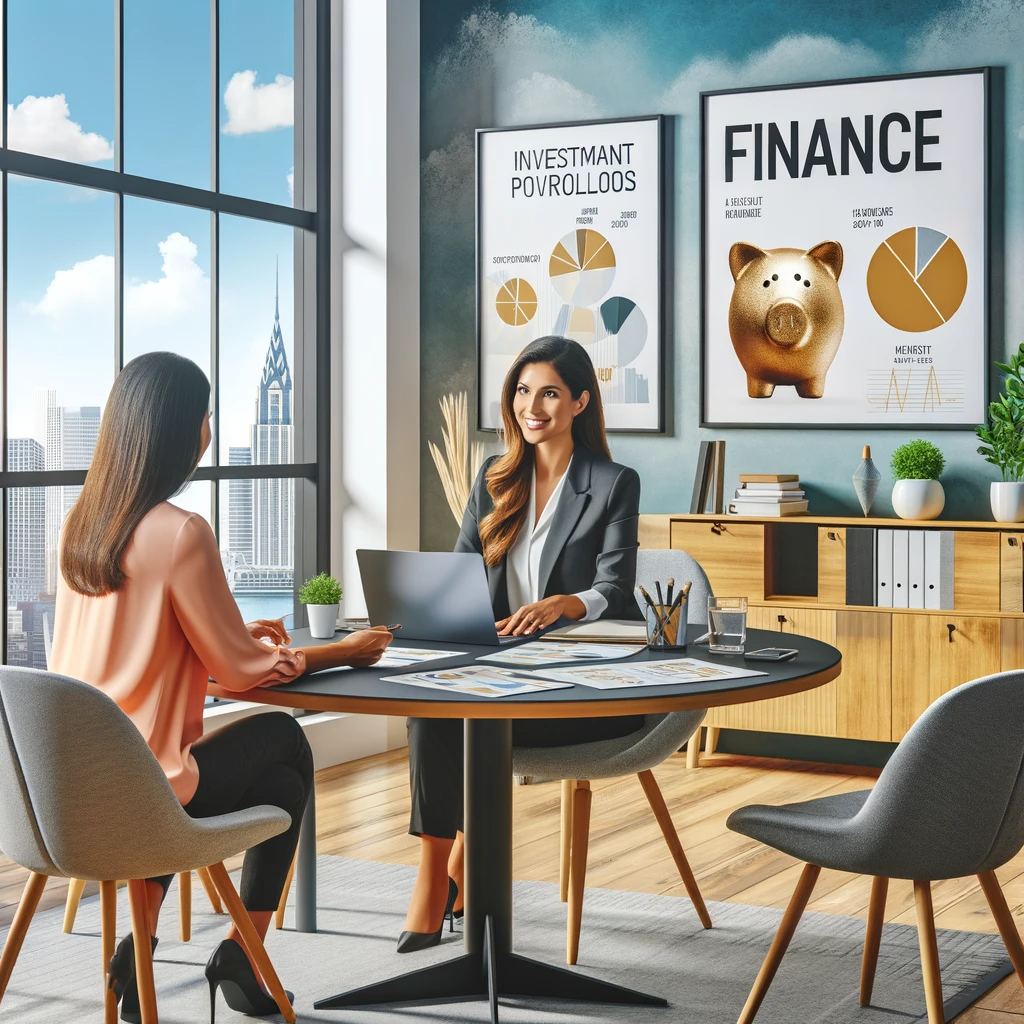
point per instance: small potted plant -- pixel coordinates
(917, 493)
(321, 595)
(1002, 437)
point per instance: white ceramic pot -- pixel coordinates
(1007, 500)
(323, 618)
(918, 499)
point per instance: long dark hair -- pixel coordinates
(510, 476)
(148, 445)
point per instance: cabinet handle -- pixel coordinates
(717, 529)
(952, 629)
(831, 534)
(1012, 541)
(782, 620)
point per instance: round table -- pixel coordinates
(489, 968)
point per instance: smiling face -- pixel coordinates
(543, 405)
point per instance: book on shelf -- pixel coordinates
(742, 494)
(709, 478)
(769, 478)
(767, 508)
(768, 488)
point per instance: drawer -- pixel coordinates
(732, 554)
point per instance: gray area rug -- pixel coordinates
(651, 943)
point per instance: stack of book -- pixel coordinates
(768, 494)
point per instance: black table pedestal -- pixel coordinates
(489, 968)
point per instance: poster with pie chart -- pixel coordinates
(887, 178)
(570, 235)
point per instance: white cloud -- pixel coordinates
(181, 290)
(291, 184)
(83, 291)
(43, 125)
(258, 108)
(534, 98)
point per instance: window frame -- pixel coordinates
(309, 216)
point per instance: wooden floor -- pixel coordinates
(363, 806)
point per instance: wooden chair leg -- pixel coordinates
(790, 919)
(211, 890)
(185, 905)
(138, 900)
(657, 801)
(565, 839)
(283, 902)
(929, 952)
(1004, 919)
(75, 887)
(711, 739)
(253, 943)
(581, 801)
(19, 927)
(873, 938)
(108, 935)
(693, 749)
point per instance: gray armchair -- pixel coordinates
(639, 752)
(66, 751)
(949, 803)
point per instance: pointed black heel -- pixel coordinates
(229, 970)
(412, 942)
(121, 978)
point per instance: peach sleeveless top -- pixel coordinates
(152, 645)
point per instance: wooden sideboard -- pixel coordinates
(895, 661)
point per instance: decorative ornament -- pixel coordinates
(865, 481)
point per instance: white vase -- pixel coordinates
(918, 499)
(1007, 500)
(323, 618)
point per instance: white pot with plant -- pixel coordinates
(1002, 437)
(321, 596)
(917, 493)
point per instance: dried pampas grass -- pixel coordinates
(461, 461)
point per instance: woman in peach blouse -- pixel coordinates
(144, 613)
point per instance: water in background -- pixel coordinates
(266, 606)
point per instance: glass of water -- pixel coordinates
(727, 624)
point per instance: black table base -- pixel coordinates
(489, 968)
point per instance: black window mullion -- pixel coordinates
(214, 95)
(118, 85)
(118, 282)
(3, 84)
(215, 360)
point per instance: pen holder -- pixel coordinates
(672, 635)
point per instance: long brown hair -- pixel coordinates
(510, 477)
(149, 443)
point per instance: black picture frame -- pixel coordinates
(987, 74)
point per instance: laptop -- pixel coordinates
(435, 595)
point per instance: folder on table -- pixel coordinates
(938, 569)
(915, 568)
(900, 568)
(884, 576)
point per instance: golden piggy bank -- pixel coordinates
(786, 315)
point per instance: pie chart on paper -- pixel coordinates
(582, 267)
(516, 302)
(917, 279)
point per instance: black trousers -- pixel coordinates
(436, 761)
(263, 759)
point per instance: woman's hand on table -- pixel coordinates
(533, 617)
(269, 629)
(365, 646)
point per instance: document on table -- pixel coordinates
(400, 657)
(560, 653)
(648, 673)
(477, 682)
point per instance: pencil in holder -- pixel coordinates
(667, 635)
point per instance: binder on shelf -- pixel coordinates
(700, 479)
(884, 573)
(716, 484)
(861, 566)
(900, 568)
(938, 569)
(915, 569)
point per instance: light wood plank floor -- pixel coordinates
(363, 806)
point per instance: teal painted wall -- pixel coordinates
(531, 61)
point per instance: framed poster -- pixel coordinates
(844, 253)
(570, 241)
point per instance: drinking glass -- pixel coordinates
(727, 624)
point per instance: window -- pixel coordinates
(147, 191)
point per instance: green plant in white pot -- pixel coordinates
(321, 595)
(917, 493)
(1002, 437)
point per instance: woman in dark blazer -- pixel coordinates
(556, 522)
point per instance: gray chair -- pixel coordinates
(949, 803)
(639, 752)
(82, 796)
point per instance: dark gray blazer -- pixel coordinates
(592, 542)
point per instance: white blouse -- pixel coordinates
(522, 564)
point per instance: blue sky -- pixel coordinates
(61, 238)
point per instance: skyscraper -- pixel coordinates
(240, 510)
(26, 524)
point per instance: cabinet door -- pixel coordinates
(864, 690)
(732, 554)
(1011, 572)
(812, 712)
(976, 575)
(929, 658)
(831, 565)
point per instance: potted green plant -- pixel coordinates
(321, 595)
(1002, 437)
(917, 493)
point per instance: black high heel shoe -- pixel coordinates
(411, 942)
(121, 978)
(229, 969)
